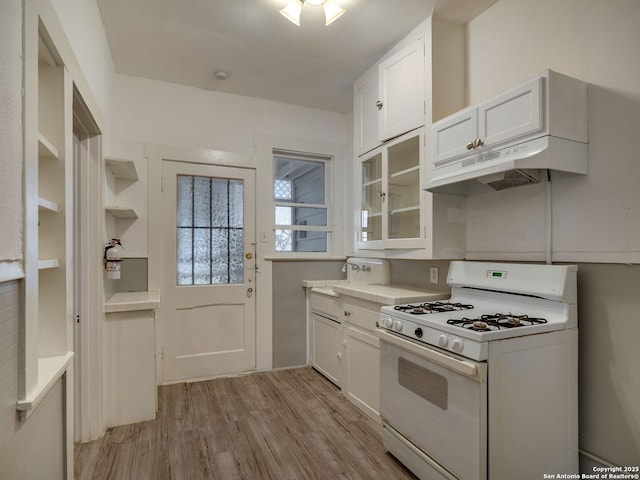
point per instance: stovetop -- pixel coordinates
(470, 319)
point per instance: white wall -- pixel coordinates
(82, 24)
(595, 217)
(11, 132)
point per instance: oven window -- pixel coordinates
(422, 381)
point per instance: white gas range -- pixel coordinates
(484, 384)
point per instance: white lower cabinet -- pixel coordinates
(326, 347)
(344, 348)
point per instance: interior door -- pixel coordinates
(208, 252)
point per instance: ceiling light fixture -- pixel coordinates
(294, 8)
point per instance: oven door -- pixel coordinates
(436, 401)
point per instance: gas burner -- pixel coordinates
(487, 323)
(432, 307)
(480, 327)
(510, 320)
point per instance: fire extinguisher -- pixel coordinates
(113, 251)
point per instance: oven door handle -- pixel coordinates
(460, 366)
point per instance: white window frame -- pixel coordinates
(327, 205)
(335, 155)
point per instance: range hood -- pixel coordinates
(512, 166)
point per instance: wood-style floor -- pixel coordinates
(289, 424)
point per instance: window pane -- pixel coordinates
(185, 201)
(184, 260)
(284, 216)
(201, 202)
(220, 266)
(201, 256)
(284, 240)
(300, 241)
(316, 217)
(282, 190)
(236, 256)
(305, 177)
(236, 209)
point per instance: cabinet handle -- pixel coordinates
(478, 143)
(382, 194)
(470, 145)
(379, 105)
(339, 356)
(347, 313)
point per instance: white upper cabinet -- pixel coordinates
(389, 98)
(401, 92)
(395, 103)
(550, 104)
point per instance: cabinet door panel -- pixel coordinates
(513, 114)
(366, 113)
(450, 136)
(401, 91)
(326, 344)
(362, 371)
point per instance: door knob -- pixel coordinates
(249, 292)
(478, 143)
(470, 145)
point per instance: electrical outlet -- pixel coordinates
(433, 275)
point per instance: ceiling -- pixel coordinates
(263, 54)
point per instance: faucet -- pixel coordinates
(364, 268)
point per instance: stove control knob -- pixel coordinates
(418, 332)
(457, 345)
(386, 322)
(443, 340)
(397, 325)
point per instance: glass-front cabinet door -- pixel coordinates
(371, 202)
(403, 186)
(391, 200)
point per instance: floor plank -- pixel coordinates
(289, 424)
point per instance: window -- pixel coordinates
(210, 231)
(301, 198)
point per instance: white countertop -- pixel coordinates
(378, 293)
(389, 294)
(132, 301)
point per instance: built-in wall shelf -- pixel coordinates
(45, 205)
(46, 148)
(50, 369)
(48, 263)
(121, 212)
(123, 169)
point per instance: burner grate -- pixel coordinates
(432, 307)
(498, 321)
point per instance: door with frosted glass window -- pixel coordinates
(208, 248)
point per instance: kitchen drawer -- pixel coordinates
(326, 305)
(360, 313)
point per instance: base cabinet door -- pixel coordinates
(326, 347)
(362, 370)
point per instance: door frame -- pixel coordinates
(155, 155)
(88, 284)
